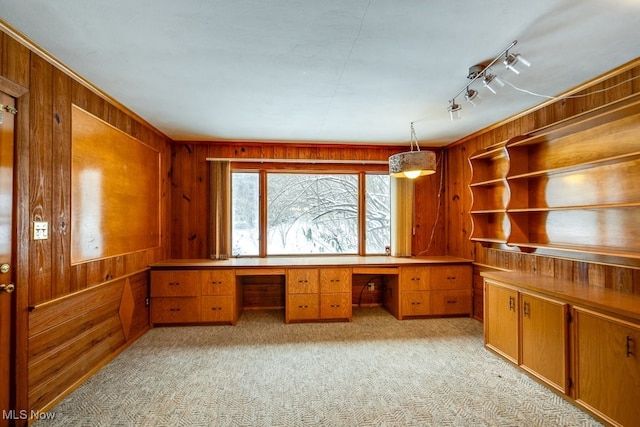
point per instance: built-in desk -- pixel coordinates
(315, 288)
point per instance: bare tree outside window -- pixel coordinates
(309, 214)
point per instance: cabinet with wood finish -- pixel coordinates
(218, 296)
(318, 294)
(607, 366)
(528, 330)
(175, 296)
(302, 288)
(435, 290)
(581, 341)
(194, 296)
(335, 293)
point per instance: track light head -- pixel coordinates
(454, 110)
(491, 82)
(472, 96)
(514, 62)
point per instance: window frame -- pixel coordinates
(361, 171)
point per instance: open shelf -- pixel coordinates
(572, 187)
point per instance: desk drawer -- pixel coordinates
(218, 282)
(335, 306)
(451, 302)
(175, 310)
(217, 308)
(175, 283)
(450, 277)
(302, 307)
(415, 303)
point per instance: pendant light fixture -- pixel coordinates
(414, 163)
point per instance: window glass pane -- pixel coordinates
(245, 196)
(312, 214)
(378, 215)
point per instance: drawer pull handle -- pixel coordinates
(512, 304)
(335, 305)
(415, 303)
(174, 309)
(451, 277)
(452, 301)
(415, 278)
(216, 308)
(216, 283)
(629, 343)
(174, 283)
(527, 308)
(303, 306)
(303, 281)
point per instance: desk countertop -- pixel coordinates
(309, 261)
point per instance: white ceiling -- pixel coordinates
(355, 71)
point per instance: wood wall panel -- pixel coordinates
(40, 185)
(45, 91)
(607, 273)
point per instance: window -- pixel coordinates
(245, 214)
(311, 213)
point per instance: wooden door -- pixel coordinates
(501, 320)
(544, 340)
(607, 367)
(6, 257)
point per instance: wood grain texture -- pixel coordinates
(44, 94)
(115, 191)
(615, 273)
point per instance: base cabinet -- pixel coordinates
(581, 341)
(435, 290)
(194, 296)
(607, 367)
(529, 330)
(318, 294)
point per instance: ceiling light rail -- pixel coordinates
(492, 82)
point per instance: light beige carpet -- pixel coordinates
(375, 371)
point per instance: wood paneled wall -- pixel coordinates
(71, 318)
(609, 273)
(190, 188)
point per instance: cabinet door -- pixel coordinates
(335, 306)
(217, 308)
(302, 281)
(501, 320)
(607, 367)
(544, 342)
(450, 277)
(335, 280)
(416, 303)
(414, 278)
(302, 307)
(218, 282)
(174, 283)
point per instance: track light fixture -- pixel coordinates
(454, 110)
(414, 163)
(472, 96)
(513, 62)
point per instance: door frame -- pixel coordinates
(20, 243)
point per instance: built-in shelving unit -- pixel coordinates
(571, 187)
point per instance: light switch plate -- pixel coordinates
(40, 230)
